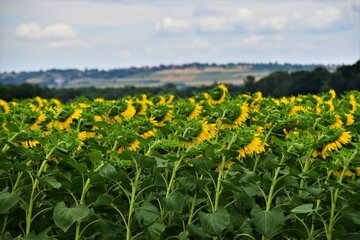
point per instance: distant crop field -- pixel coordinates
(212, 166)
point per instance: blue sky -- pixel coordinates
(44, 34)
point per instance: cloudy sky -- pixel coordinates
(43, 34)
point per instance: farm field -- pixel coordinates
(212, 166)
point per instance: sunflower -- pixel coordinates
(338, 173)
(331, 105)
(337, 123)
(170, 99)
(133, 147)
(349, 119)
(218, 94)
(343, 138)
(236, 116)
(130, 111)
(332, 94)
(160, 113)
(197, 132)
(5, 106)
(254, 146)
(82, 136)
(255, 103)
(30, 143)
(142, 104)
(76, 114)
(352, 103)
(39, 104)
(188, 108)
(65, 122)
(145, 127)
(296, 109)
(97, 118)
(41, 118)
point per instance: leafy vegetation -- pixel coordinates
(207, 167)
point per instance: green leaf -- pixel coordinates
(230, 186)
(145, 161)
(216, 222)
(197, 232)
(64, 217)
(146, 214)
(175, 202)
(41, 236)
(12, 127)
(107, 171)
(7, 201)
(267, 222)
(352, 214)
(103, 199)
(53, 182)
(187, 184)
(203, 163)
(230, 153)
(108, 228)
(96, 155)
(248, 176)
(305, 208)
(183, 236)
(155, 230)
(317, 193)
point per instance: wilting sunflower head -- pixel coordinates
(296, 109)
(160, 113)
(218, 94)
(158, 100)
(196, 131)
(30, 143)
(130, 110)
(353, 104)
(330, 119)
(188, 108)
(4, 107)
(349, 119)
(37, 103)
(332, 94)
(235, 114)
(144, 127)
(248, 142)
(196, 150)
(335, 139)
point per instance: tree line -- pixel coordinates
(276, 84)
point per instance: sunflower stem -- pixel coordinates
(335, 195)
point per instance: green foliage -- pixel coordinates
(289, 169)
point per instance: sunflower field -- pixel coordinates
(213, 166)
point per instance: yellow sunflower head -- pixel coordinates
(218, 94)
(4, 107)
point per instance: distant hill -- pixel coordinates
(185, 75)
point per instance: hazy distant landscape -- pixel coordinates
(185, 75)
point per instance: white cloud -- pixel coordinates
(277, 23)
(239, 20)
(326, 18)
(255, 42)
(149, 50)
(215, 24)
(33, 30)
(125, 54)
(242, 15)
(73, 43)
(169, 25)
(197, 43)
